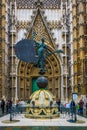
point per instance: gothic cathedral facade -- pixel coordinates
(63, 24)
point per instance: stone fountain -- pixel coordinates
(42, 102)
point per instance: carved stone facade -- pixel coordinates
(62, 24)
(28, 72)
(31, 3)
(80, 47)
(3, 63)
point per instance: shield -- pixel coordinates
(26, 51)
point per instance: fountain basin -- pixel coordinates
(42, 105)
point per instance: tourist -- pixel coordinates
(78, 108)
(86, 104)
(81, 103)
(58, 103)
(7, 106)
(3, 106)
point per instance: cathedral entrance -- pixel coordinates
(28, 73)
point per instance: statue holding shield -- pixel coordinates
(31, 51)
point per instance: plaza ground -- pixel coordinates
(62, 121)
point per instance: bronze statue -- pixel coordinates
(31, 51)
(42, 52)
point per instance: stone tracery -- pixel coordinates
(31, 3)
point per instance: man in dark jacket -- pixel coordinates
(3, 106)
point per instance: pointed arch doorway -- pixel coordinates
(28, 74)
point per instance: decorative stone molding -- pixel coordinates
(55, 24)
(31, 3)
(22, 24)
(75, 40)
(75, 51)
(75, 62)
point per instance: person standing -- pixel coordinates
(85, 103)
(3, 106)
(81, 103)
(7, 106)
(58, 103)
